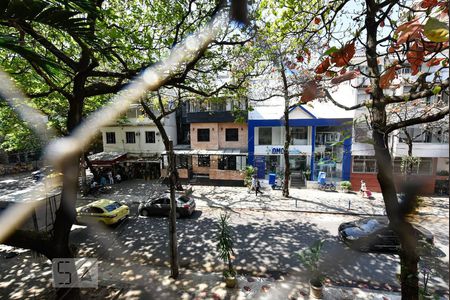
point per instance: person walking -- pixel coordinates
(253, 186)
(257, 187)
(110, 177)
(363, 188)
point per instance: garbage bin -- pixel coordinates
(272, 178)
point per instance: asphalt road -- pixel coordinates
(266, 242)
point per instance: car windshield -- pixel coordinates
(369, 225)
(112, 206)
(183, 199)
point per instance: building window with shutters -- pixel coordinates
(130, 137)
(150, 137)
(110, 137)
(231, 135)
(364, 164)
(203, 135)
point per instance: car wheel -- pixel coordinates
(144, 213)
(332, 188)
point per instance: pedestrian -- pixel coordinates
(118, 178)
(110, 177)
(253, 185)
(102, 181)
(363, 188)
(257, 187)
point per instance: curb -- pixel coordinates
(292, 210)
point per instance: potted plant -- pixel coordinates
(346, 186)
(426, 271)
(310, 259)
(225, 249)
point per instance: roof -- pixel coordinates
(314, 110)
(107, 158)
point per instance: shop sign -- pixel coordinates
(280, 150)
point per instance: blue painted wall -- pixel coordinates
(347, 157)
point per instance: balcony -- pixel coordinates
(210, 117)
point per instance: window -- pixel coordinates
(203, 135)
(181, 161)
(231, 135)
(130, 137)
(110, 137)
(112, 206)
(203, 160)
(299, 136)
(364, 164)
(423, 167)
(227, 162)
(150, 137)
(265, 136)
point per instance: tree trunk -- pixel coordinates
(174, 271)
(408, 254)
(287, 135)
(287, 165)
(91, 167)
(84, 184)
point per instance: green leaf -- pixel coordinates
(13, 44)
(437, 89)
(436, 31)
(331, 51)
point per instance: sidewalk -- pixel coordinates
(125, 280)
(301, 200)
(196, 285)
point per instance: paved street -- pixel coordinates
(269, 231)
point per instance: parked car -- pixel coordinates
(104, 211)
(375, 235)
(160, 205)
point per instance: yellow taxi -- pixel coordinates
(104, 211)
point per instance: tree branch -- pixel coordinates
(49, 46)
(419, 120)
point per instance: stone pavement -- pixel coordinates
(305, 200)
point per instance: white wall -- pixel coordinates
(140, 147)
(423, 150)
(442, 164)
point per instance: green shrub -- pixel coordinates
(346, 185)
(249, 172)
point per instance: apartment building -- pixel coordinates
(133, 146)
(217, 153)
(429, 146)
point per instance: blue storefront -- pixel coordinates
(317, 144)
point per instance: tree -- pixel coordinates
(286, 49)
(77, 53)
(405, 37)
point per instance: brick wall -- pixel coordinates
(226, 174)
(427, 182)
(213, 143)
(242, 142)
(182, 173)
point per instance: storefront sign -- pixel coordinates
(280, 150)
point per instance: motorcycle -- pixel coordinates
(324, 186)
(278, 185)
